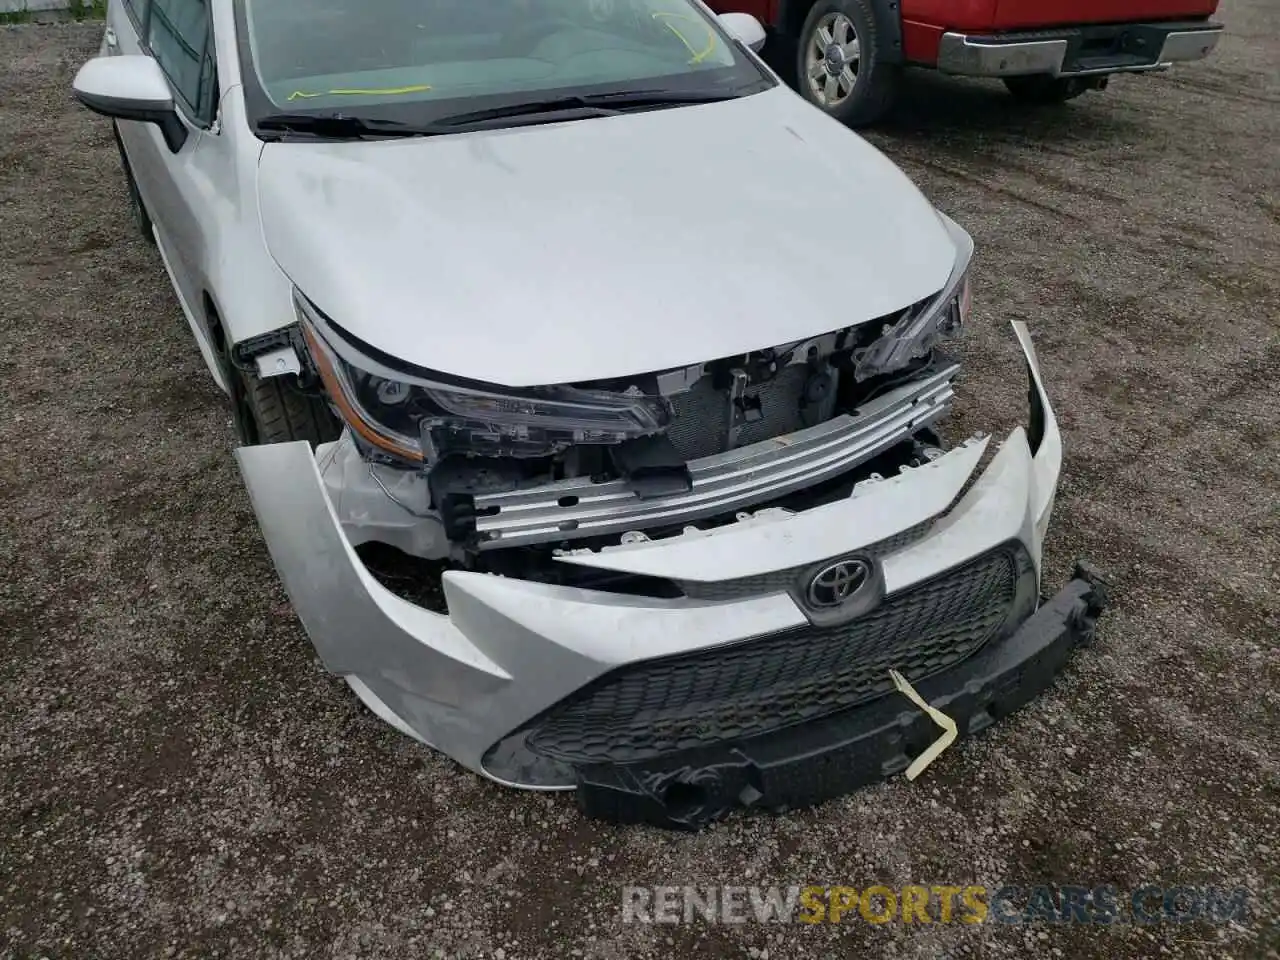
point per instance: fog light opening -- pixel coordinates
(683, 798)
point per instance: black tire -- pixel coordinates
(875, 81)
(274, 411)
(1042, 89)
(140, 216)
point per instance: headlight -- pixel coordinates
(422, 418)
(922, 326)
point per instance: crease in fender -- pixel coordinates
(372, 92)
(949, 730)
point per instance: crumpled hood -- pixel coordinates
(605, 247)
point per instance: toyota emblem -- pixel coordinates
(838, 583)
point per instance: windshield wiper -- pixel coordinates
(340, 126)
(583, 104)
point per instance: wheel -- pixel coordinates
(838, 66)
(138, 209)
(274, 411)
(1041, 88)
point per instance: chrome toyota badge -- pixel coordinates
(838, 583)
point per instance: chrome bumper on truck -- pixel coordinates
(1078, 51)
(741, 691)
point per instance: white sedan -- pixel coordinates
(633, 354)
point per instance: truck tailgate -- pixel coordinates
(1026, 14)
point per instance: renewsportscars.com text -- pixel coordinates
(938, 903)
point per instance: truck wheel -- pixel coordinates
(272, 411)
(838, 67)
(136, 206)
(1043, 89)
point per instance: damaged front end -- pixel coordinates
(683, 591)
(486, 469)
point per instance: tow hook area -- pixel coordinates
(1091, 605)
(684, 798)
(804, 765)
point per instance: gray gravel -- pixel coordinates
(178, 776)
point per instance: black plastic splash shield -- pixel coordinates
(809, 763)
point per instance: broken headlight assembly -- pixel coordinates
(920, 327)
(423, 417)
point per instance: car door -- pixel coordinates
(179, 35)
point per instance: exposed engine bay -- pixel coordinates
(726, 405)
(447, 469)
(480, 468)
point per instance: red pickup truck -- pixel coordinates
(850, 53)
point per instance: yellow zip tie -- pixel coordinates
(383, 92)
(697, 56)
(948, 726)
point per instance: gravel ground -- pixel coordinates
(178, 776)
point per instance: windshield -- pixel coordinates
(420, 59)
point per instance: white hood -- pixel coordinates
(604, 247)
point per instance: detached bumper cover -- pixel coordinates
(809, 763)
(1078, 51)
(509, 652)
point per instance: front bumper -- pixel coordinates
(806, 764)
(509, 650)
(1078, 51)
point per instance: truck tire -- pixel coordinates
(838, 62)
(1044, 89)
(273, 411)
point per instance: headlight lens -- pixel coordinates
(923, 326)
(420, 419)
(916, 332)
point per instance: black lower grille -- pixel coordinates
(755, 686)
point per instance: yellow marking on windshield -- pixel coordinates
(372, 92)
(697, 55)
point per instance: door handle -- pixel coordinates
(111, 40)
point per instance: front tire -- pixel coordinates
(1042, 89)
(838, 63)
(274, 411)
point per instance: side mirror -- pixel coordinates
(131, 88)
(744, 27)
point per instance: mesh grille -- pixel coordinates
(701, 421)
(752, 687)
(700, 426)
(780, 400)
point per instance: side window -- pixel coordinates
(180, 39)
